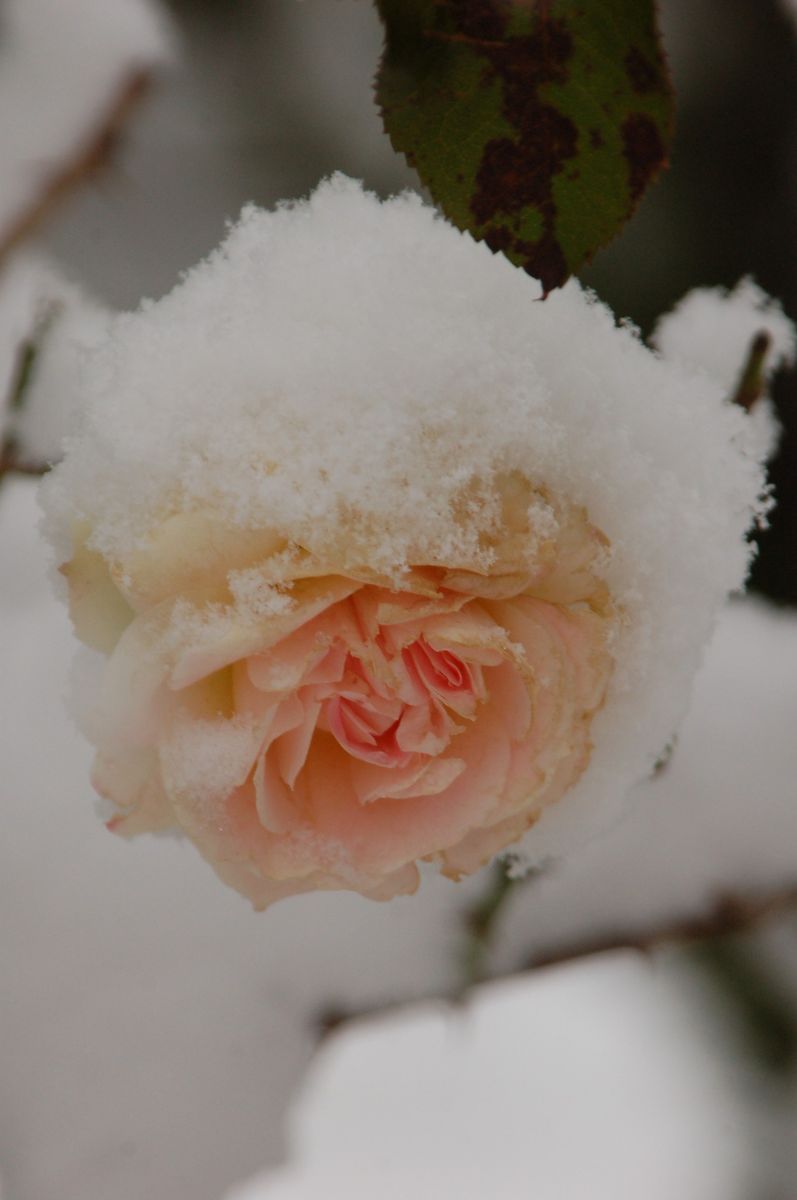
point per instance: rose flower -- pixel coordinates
(387, 561)
(354, 725)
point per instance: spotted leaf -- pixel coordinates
(535, 124)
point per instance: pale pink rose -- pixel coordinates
(309, 722)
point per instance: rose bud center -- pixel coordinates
(385, 723)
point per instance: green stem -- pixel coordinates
(760, 998)
(481, 920)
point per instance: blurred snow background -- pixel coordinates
(501, 1099)
(152, 1030)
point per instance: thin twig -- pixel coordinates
(480, 923)
(11, 464)
(13, 460)
(95, 152)
(730, 914)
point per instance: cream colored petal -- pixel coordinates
(573, 577)
(134, 702)
(493, 587)
(472, 632)
(249, 701)
(202, 647)
(99, 612)
(191, 554)
(392, 608)
(286, 664)
(480, 846)
(132, 783)
(262, 892)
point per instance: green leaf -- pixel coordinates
(535, 124)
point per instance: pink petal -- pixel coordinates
(241, 635)
(290, 750)
(273, 798)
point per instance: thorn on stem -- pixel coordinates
(752, 380)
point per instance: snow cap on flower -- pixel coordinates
(359, 383)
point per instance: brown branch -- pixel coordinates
(11, 464)
(731, 914)
(94, 153)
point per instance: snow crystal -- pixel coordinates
(60, 65)
(341, 370)
(583, 1083)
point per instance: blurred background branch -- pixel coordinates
(95, 152)
(731, 914)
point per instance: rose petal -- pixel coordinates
(231, 636)
(273, 798)
(99, 612)
(380, 837)
(423, 777)
(191, 554)
(132, 783)
(290, 750)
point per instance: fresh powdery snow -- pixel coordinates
(711, 330)
(62, 63)
(586, 1083)
(347, 364)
